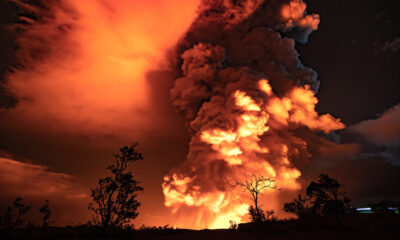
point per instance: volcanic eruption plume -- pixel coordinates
(248, 101)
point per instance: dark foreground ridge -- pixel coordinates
(358, 226)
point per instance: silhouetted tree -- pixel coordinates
(255, 186)
(46, 211)
(323, 198)
(114, 199)
(297, 206)
(13, 217)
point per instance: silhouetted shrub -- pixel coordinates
(13, 217)
(46, 211)
(233, 225)
(114, 199)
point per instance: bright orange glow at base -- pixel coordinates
(244, 153)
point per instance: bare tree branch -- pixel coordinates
(255, 186)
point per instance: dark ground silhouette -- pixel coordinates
(355, 226)
(324, 213)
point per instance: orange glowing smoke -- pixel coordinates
(85, 63)
(242, 124)
(235, 11)
(294, 14)
(244, 153)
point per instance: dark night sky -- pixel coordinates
(356, 53)
(358, 78)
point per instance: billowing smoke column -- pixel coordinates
(248, 100)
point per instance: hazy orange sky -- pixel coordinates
(85, 90)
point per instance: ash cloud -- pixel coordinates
(249, 104)
(256, 41)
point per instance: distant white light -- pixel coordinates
(364, 209)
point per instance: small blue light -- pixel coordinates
(364, 209)
(392, 208)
